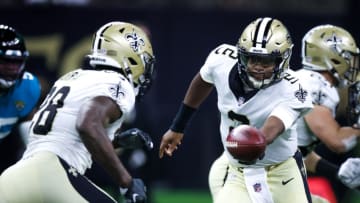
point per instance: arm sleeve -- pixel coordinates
(286, 115)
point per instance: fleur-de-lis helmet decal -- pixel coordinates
(136, 41)
(333, 49)
(126, 48)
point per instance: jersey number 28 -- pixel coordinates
(53, 101)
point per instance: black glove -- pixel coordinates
(136, 193)
(133, 138)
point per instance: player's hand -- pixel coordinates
(170, 142)
(349, 172)
(136, 193)
(132, 139)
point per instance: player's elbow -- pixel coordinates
(86, 128)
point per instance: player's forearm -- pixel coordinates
(272, 128)
(349, 137)
(311, 161)
(197, 92)
(340, 139)
(102, 151)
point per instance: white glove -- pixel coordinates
(349, 173)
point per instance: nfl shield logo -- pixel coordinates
(257, 187)
(241, 101)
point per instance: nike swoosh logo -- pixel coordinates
(284, 182)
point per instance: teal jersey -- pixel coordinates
(18, 102)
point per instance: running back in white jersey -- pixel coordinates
(287, 100)
(53, 127)
(322, 93)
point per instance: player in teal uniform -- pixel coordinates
(19, 89)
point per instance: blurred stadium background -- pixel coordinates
(183, 32)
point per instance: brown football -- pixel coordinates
(246, 144)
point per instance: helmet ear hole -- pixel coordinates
(336, 62)
(132, 61)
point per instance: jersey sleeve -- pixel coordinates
(298, 102)
(289, 115)
(122, 92)
(30, 89)
(321, 91)
(215, 57)
(327, 96)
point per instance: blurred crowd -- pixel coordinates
(305, 6)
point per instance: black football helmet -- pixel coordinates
(13, 55)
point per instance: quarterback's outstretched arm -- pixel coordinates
(197, 92)
(272, 128)
(94, 116)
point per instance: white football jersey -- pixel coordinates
(53, 126)
(286, 99)
(322, 93)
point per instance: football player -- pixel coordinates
(330, 59)
(19, 90)
(255, 87)
(76, 123)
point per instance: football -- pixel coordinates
(246, 144)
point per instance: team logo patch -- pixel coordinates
(257, 187)
(20, 105)
(115, 91)
(73, 171)
(136, 42)
(301, 94)
(334, 42)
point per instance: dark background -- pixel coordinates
(182, 36)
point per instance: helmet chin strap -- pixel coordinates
(259, 84)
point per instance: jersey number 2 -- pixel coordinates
(54, 100)
(239, 118)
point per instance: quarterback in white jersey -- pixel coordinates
(254, 87)
(77, 121)
(239, 107)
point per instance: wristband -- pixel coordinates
(349, 142)
(327, 169)
(182, 118)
